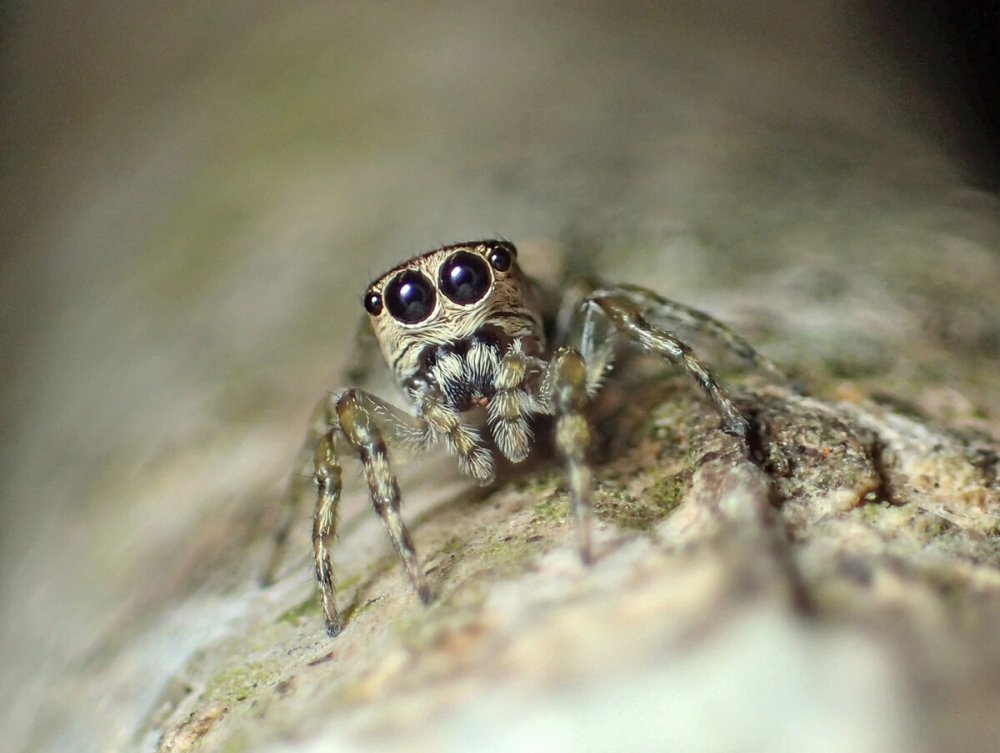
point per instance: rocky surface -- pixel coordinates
(196, 199)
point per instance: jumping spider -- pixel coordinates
(464, 329)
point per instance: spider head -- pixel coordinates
(451, 295)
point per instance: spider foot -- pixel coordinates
(333, 629)
(425, 594)
(736, 426)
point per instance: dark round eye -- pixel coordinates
(501, 256)
(373, 303)
(465, 278)
(409, 297)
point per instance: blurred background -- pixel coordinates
(194, 196)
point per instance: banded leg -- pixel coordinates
(355, 416)
(461, 440)
(655, 305)
(511, 405)
(356, 420)
(301, 479)
(328, 486)
(566, 384)
(628, 319)
(580, 325)
(401, 430)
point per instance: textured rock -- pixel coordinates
(197, 196)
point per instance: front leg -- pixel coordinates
(355, 417)
(356, 420)
(628, 319)
(328, 486)
(303, 474)
(655, 305)
(565, 388)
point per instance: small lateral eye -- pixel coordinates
(501, 256)
(464, 278)
(410, 297)
(373, 303)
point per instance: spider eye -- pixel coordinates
(465, 278)
(501, 256)
(409, 297)
(373, 303)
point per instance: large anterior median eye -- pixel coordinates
(465, 277)
(409, 296)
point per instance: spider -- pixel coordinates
(465, 331)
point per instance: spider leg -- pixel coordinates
(328, 485)
(654, 305)
(356, 412)
(302, 477)
(565, 385)
(461, 440)
(511, 404)
(628, 318)
(572, 300)
(402, 430)
(578, 324)
(353, 416)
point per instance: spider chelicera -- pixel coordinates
(465, 331)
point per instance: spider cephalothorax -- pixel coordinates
(464, 330)
(445, 321)
(454, 296)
